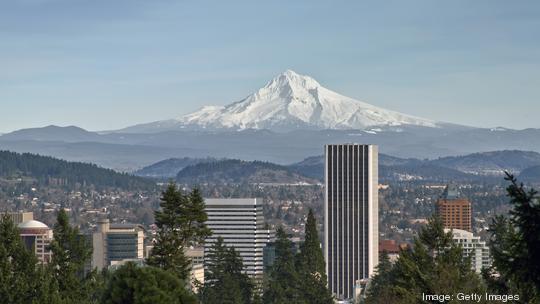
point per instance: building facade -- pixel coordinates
(473, 247)
(20, 217)
(116, 243)
(454, 210)
(196, 274)
(240, 222)
(351, 218)
(37, 237)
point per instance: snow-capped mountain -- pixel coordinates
(289, 101)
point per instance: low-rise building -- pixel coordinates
(37, 237)
(473, 247)
(392, 248)
(196, 256)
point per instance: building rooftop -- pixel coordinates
(391, 246)
(232, 201)
(32, 224)
(451, 192)
(460, 233)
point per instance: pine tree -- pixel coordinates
(196, 217)
(70, 254)
(434, 265)
(141, 285)
(284, 280)
(311, 266)
(380, 282)
(47, 290)
(515, 246)
(181, 223)
(225, 280)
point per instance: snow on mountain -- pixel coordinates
(291, 101)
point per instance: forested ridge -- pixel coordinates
(234, 171)
(46, 170)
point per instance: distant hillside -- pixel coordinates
(51, 171)
(53, 133)
(491, 163)
(314, 166)
(169, 168)
(233, 171)
(422, 171)
(531, 174)
(468, 167)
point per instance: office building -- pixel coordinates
(37, 237)
(116, 243)
(240, 223)
(350, 216)
(454, 210)
(473, 247)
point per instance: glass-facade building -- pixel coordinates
(351, 216)
(122, 246)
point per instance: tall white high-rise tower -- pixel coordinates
(351, 221)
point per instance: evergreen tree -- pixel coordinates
(195, 231)
(379, 283)
(225, 280)
(70, 254)
(284, 281)
(311, 266)
(181, 223)
(47, 290)
(145, 285)
(515, 246)
(435, 265)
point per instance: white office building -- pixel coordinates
(240, 222)
(473, 247)
(351, 230)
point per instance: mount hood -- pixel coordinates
(289, 101)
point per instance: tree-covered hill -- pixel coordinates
(169, 168)
(471, 167)
(530, 174)
(50, 171)
(232, 171)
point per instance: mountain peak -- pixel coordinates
(292, 79)
(292, 101)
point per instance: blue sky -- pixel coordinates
(106, 64)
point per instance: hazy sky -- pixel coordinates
(105, 64)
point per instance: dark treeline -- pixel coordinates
(55, 172)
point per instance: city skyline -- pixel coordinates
(102, 65)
